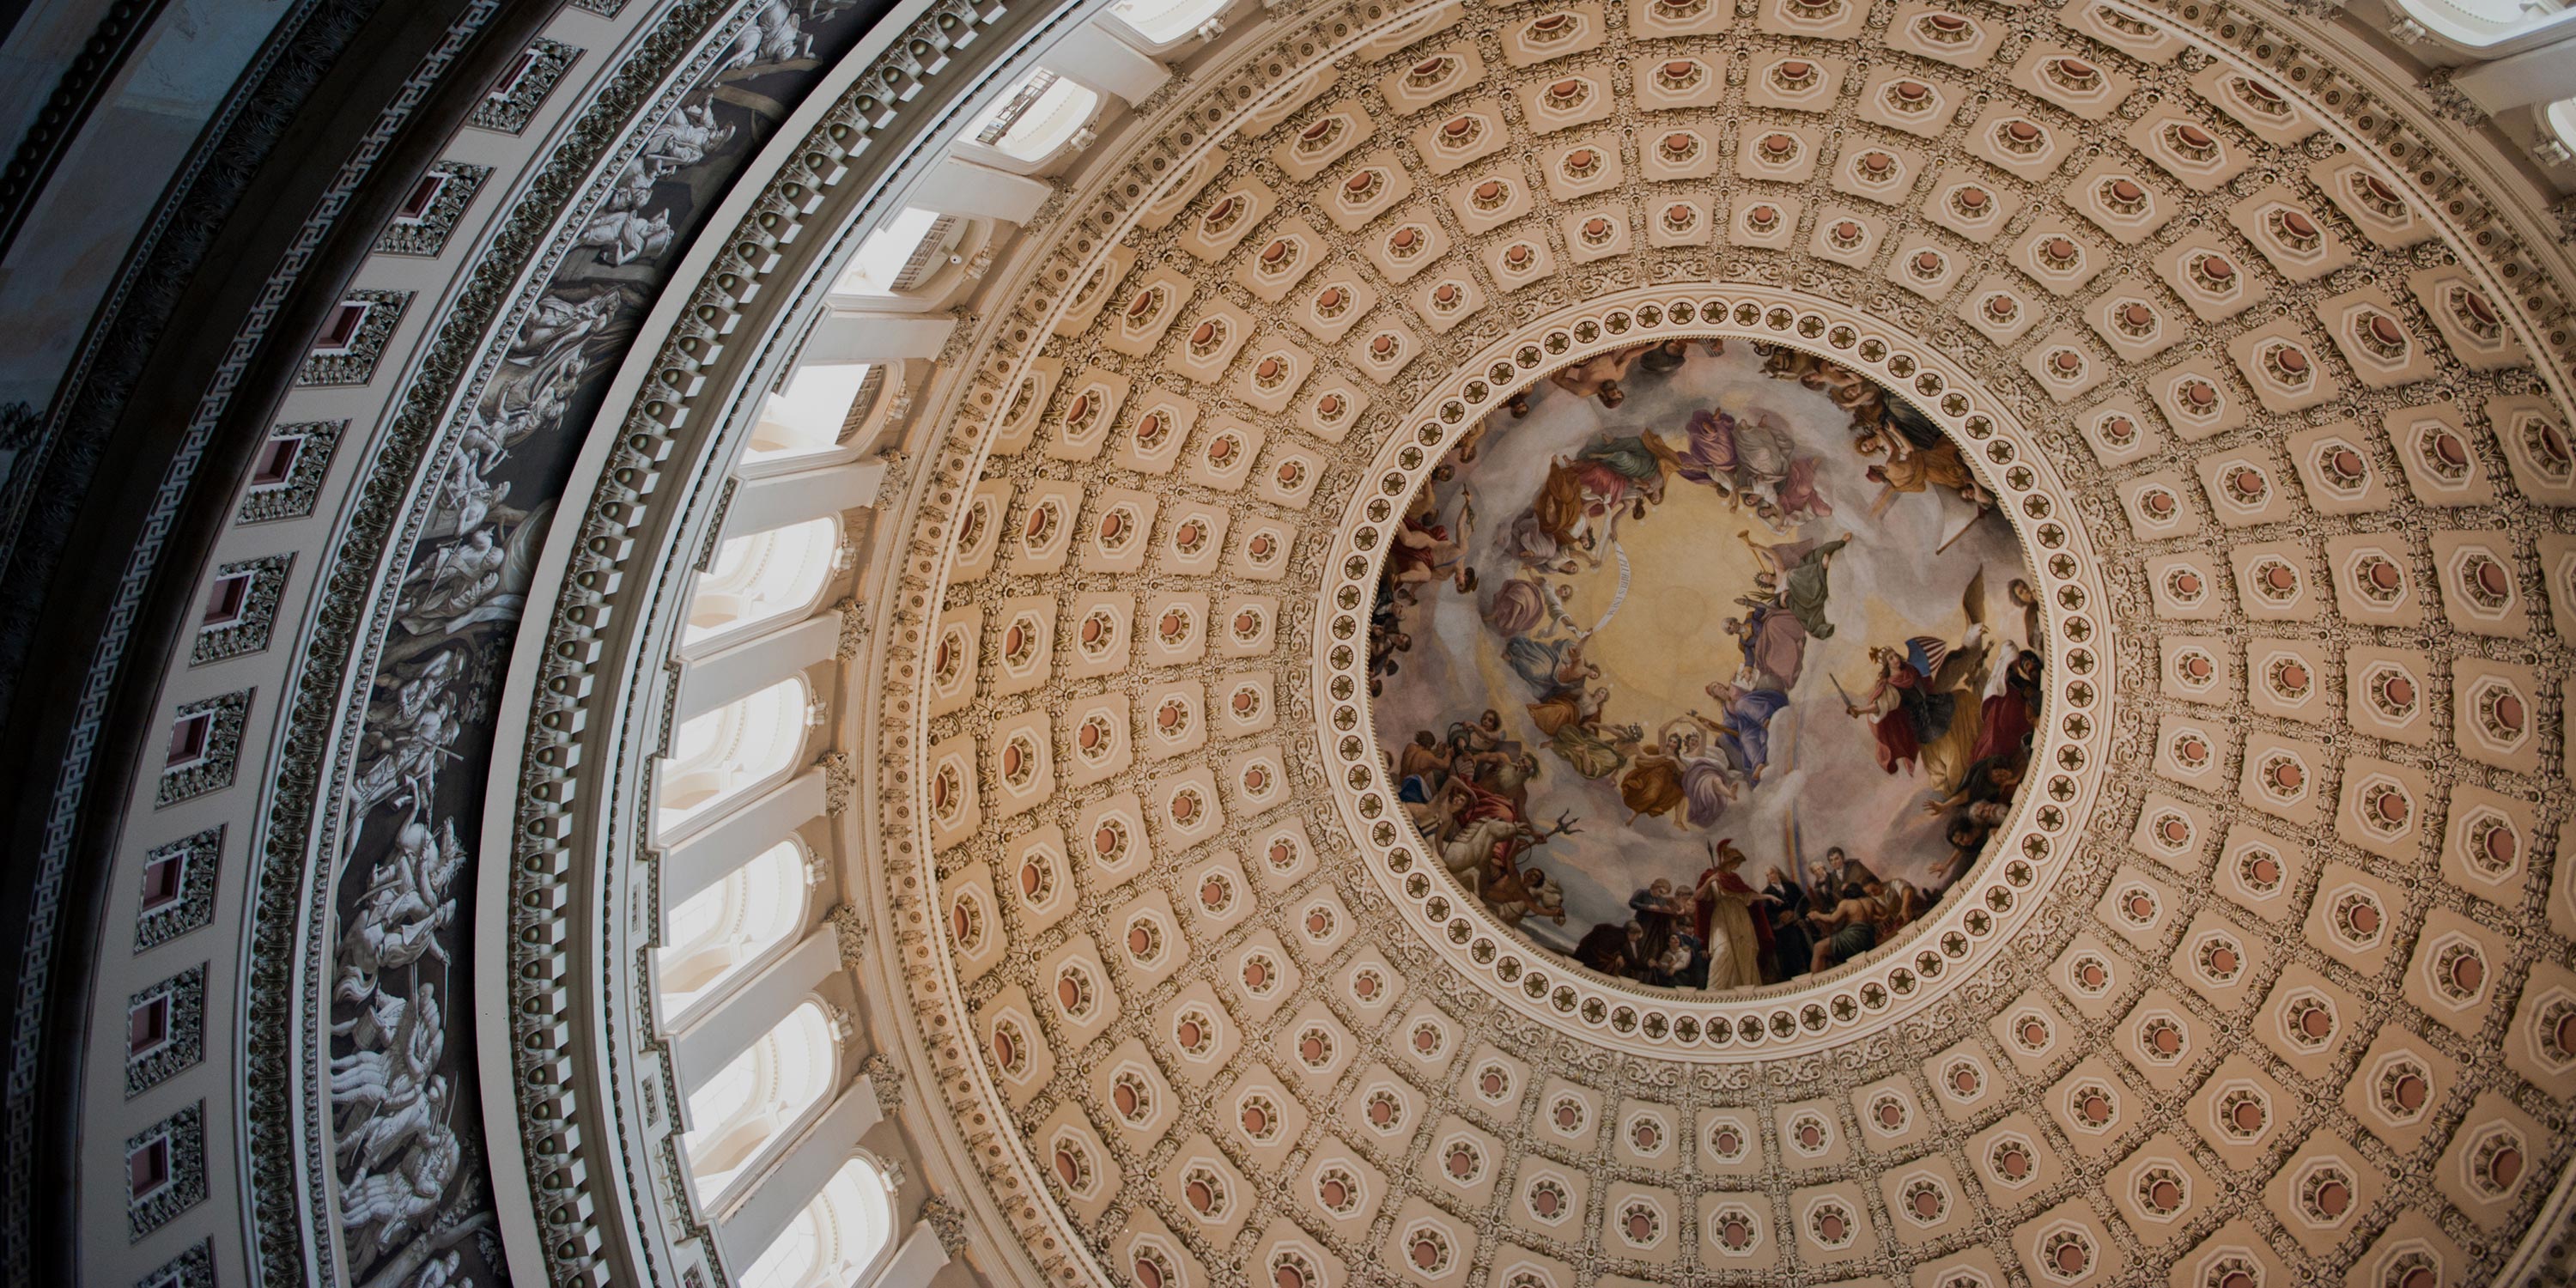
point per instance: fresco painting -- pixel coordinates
(1706, 664)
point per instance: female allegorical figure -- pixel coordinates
(1909, 716)
(2011, 706)
(1797, 576)
(1731, 455)
(1736, 939)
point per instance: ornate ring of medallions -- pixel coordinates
(1805, 731)
(1130, 305)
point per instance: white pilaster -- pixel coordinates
(799, 1175)
(706, 1047)
(760, 505)
(2543, 75)
(713, 853)
(920, 1257)
(862, 335)
(965, 188)
(736, 673)
(1092, 56)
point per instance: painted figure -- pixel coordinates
(1653, 784)
(1773, 642)
(1607, 658)
(1599, 377)
(1737, 940)
(1796, 576)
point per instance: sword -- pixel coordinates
(1848, 704)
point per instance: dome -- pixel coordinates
(1524, 645)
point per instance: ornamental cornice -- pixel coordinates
(953, 467)
(925, 508)
(582, 1143)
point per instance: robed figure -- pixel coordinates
(1736, 939)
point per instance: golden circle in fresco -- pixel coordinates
(1706, 664)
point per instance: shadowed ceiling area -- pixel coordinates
(1478, 645)
(2270, 974)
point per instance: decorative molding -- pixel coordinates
(946, 999)
(897, 477)
(854, 631)
(426, 233)
(961, 334)
(290, 903)
(840, 781)
(715, 540)
(184, 1041)
(185, 1184)
(693, 117)
(254, 620)
(212, 770)
(2449, 101)
(891, 1170)
(508, 109)
(18, 425)
(936, 465)
(2547, 1253)
(294, 496)
(55, 127)
(193, 908)
(99, 384)
(194, 1268)
(354, 363)
(863, 407)
(884, 1078)
(1974, 923)
(850, 926)
(946, 1220)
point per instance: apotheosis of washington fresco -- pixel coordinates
(1706, 664)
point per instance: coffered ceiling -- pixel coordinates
(2273, 979)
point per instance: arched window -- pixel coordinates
(2482, 25)
(757, 1099)
(1036, 118)
(2558, 122)
(762, 576)
(720, 931)
(836, 1240)
(2499, 12)
(1165, 21)
(806, 416)
(717, 756)
(902, 253)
